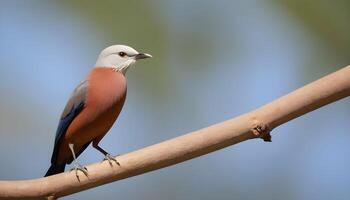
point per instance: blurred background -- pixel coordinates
(213, 60)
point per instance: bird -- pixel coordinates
(92, 108)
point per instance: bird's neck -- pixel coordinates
(105, 63)
(116, 69)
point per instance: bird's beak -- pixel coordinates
(142, 56)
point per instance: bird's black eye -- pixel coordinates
(122, 54)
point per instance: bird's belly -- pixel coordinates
(87, 127)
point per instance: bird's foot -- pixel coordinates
(110, 158)
(78, 167)
(116, 69)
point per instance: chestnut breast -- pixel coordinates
(104, 100)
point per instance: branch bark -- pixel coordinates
(255, 124)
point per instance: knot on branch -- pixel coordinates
(51, 198)
(262, 131)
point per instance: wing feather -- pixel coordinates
(74, 106)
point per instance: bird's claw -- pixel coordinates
(116, 69)
(78, 167)
(110, 158)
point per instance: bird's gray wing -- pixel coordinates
(75, 105)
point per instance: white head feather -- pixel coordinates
(119, 57)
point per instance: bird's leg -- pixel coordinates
(106, 154)
(77, 165)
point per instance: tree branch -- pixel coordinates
(255, 124)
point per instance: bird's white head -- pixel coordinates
(119, 57)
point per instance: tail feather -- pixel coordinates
(55, 169)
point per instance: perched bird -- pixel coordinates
(93, 107)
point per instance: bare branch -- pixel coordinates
(248, 126)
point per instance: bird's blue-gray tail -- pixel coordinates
(55, 169)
